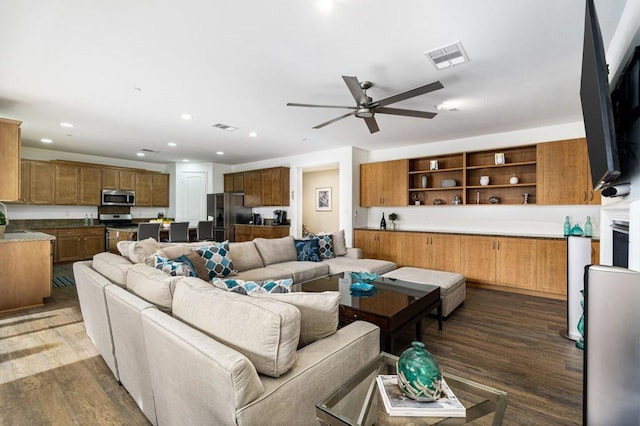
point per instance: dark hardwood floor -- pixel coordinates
(50, 372)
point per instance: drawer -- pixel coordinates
(93, 231)
(70, 232)
(262, 232)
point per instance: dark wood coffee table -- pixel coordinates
(394, 306)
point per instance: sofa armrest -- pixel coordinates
(321, 366)
(354, 253)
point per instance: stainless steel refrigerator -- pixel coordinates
(226, 210)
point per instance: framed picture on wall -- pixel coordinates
(323, 199)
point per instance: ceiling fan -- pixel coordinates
(366, 107)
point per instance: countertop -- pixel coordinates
(14, 237)
(262, 226)
(441, 230)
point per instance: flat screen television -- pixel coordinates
(597, 109)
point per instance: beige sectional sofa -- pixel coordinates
(190, 353)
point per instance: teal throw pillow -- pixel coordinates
(252, 287)
(173, 267)
(308, 250)
(217, 260)
(326, 246)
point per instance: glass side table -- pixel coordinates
(357, 401)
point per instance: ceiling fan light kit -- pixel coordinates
(366, 107)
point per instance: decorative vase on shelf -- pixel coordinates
(419, 375)
(423, 181)
(514, 179)
(484, 180)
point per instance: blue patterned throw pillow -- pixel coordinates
(251, 287)
(217, 260)
(326, 246)
(308, 250)
(173, 267)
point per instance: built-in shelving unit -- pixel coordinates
(455, 178)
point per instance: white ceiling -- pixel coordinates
(240, 62)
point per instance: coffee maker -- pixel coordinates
(279, 217)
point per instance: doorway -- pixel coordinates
(320, 199)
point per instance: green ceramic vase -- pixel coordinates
(419, 375)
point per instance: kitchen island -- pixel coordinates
(28, 268)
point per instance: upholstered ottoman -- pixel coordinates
(453, 289)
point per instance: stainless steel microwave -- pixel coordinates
(118, 197)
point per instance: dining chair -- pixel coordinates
(204, 230)
(178, 232)
(149, 230)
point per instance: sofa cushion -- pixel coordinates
(318, 312)
(276, 250)
(308, 250)
(265, 331)
(112, 266)
(176, 268)
(217, 260)
(140, 250)
(245, 256)
(339, 243)
(301, 271)
(171, 252)
(263, 274)
(325, 242)
(152, 285)
(250, 287)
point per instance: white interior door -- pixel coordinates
(193, 199)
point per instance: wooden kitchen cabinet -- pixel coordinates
(516, 262)
(115, 178)
(90, 186)
(41, 182)
(79, 243)
(65, 182)
(249, 232)
(144, 189)
(253, 188)
(275, 186)
(384, 183)
(234, 182)
(114, 236)
(552, 266)
(385, 245)
(478, 257)
(563, 175)
(10, 159)
(160, 196)
(431, 251)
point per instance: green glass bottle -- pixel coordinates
(588, 227)
(419, 375)
(567, 226)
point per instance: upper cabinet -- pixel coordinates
(40, 182)
(384, 183)
(90, 186)
(115, 178)
(144, 189)
(160, 183)
(65, 178)
(262, 187)
(564, 176)
(10, 160)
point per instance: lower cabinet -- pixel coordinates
(114, 236)
(379, 244)
(249, 232)
(78, 243)
(431, 251)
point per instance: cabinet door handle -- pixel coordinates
(584, 196)
(591, 196)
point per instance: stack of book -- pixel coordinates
(397, 404)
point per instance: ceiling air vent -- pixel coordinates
(447, 56)
(224, 127)
(152, 151)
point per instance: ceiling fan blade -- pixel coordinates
(319, 126)
(354, 87)
(410, 93)
(372, 124)
(319, 106)
(405, 112)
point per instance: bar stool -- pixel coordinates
(149, 230)
(179, 232)
(205, 230)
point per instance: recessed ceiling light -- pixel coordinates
(253, 134)
(185, 160)
(140, 154)
(46, 140)
(66, 124)
(137, 89)
(446, 106)
(186, 117)
(172, 144)
(219, 153)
